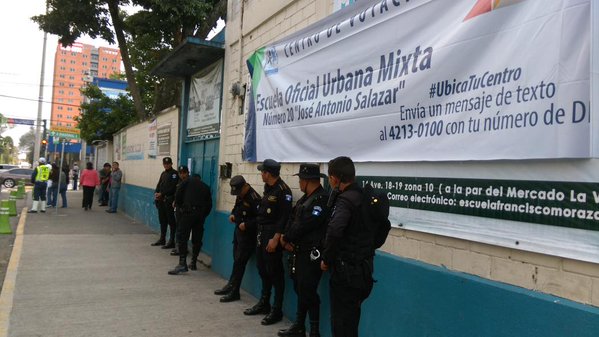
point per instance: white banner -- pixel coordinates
(428, 80)
(204, 102)
(152, 138)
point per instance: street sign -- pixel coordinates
(64, 135)
(20, 121)
(64, 129)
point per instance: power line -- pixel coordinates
(37, 100)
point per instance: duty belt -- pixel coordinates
(314, 251)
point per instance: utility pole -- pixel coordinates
(38, 138)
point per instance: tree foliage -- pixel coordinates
(144, 38)
(102, 116)
(26, 143)
(8, 151)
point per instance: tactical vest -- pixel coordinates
(357, 243)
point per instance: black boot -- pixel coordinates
(160, 242)
(180, 268)
(224, 290)
(261, 308)
(314, 329)
(175, 252)
(193, 264)
(297, 329)
(233, 295)
(169, 245)
(275, 315)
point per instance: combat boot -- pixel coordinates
(231, 296)
(160, 242)
(193, 264)
(261, 308)
(180, 268)
(224, 290)
(275, 315)
(169, 245)
(297, 329)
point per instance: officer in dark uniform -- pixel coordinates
(164, 195)
(303, 237)
(273, 214)
(243, 215)
(348, 250)
(193, 202)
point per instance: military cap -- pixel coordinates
(270, 165)
(183, 168)
(167, 160)
(237, 183)
(310, 171)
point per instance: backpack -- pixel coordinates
(375, 209)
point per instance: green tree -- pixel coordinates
(26, 143)
(143, 39)
(8, 151)
(103, 116)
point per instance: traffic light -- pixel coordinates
(44, 145)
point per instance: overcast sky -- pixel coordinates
(21, 62)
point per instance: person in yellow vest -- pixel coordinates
(39, 178)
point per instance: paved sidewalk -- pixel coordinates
(95, 274)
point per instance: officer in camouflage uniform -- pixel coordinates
(243, 215)
(303, 237)
(273, 214)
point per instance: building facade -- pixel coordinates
(432, 282)
(74, 67)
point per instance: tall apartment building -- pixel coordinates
(74, 66)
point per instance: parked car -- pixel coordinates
(9, 177)
(4, 167)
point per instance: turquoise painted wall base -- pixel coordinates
(411, 298)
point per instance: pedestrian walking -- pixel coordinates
(89, 181)
(193, 202)
(115, 187)
(39, 178)
(273, 213)
(304, 237)
(243, 215)
(164, 195)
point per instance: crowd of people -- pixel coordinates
(49, 181)
(323, 232)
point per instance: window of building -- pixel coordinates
(70, 93)
(62, 68)
(104, 59)
(61, 91)
(72, 70)
(73, 62)
(71, 85)
(63, 60)
(59, 107)
(63, 52)
(71, 77)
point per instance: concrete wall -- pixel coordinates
(140, 176)
(519, 275)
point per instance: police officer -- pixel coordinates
(348, 251)
(39, 178)
(303, 237)
(193, 202)
(273, 213)
(243, 216)
(164, 195)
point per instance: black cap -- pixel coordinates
(106, 164)
(310, 171)
(237, 183)
(270, 165)
(167, 160)
(183, 168)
